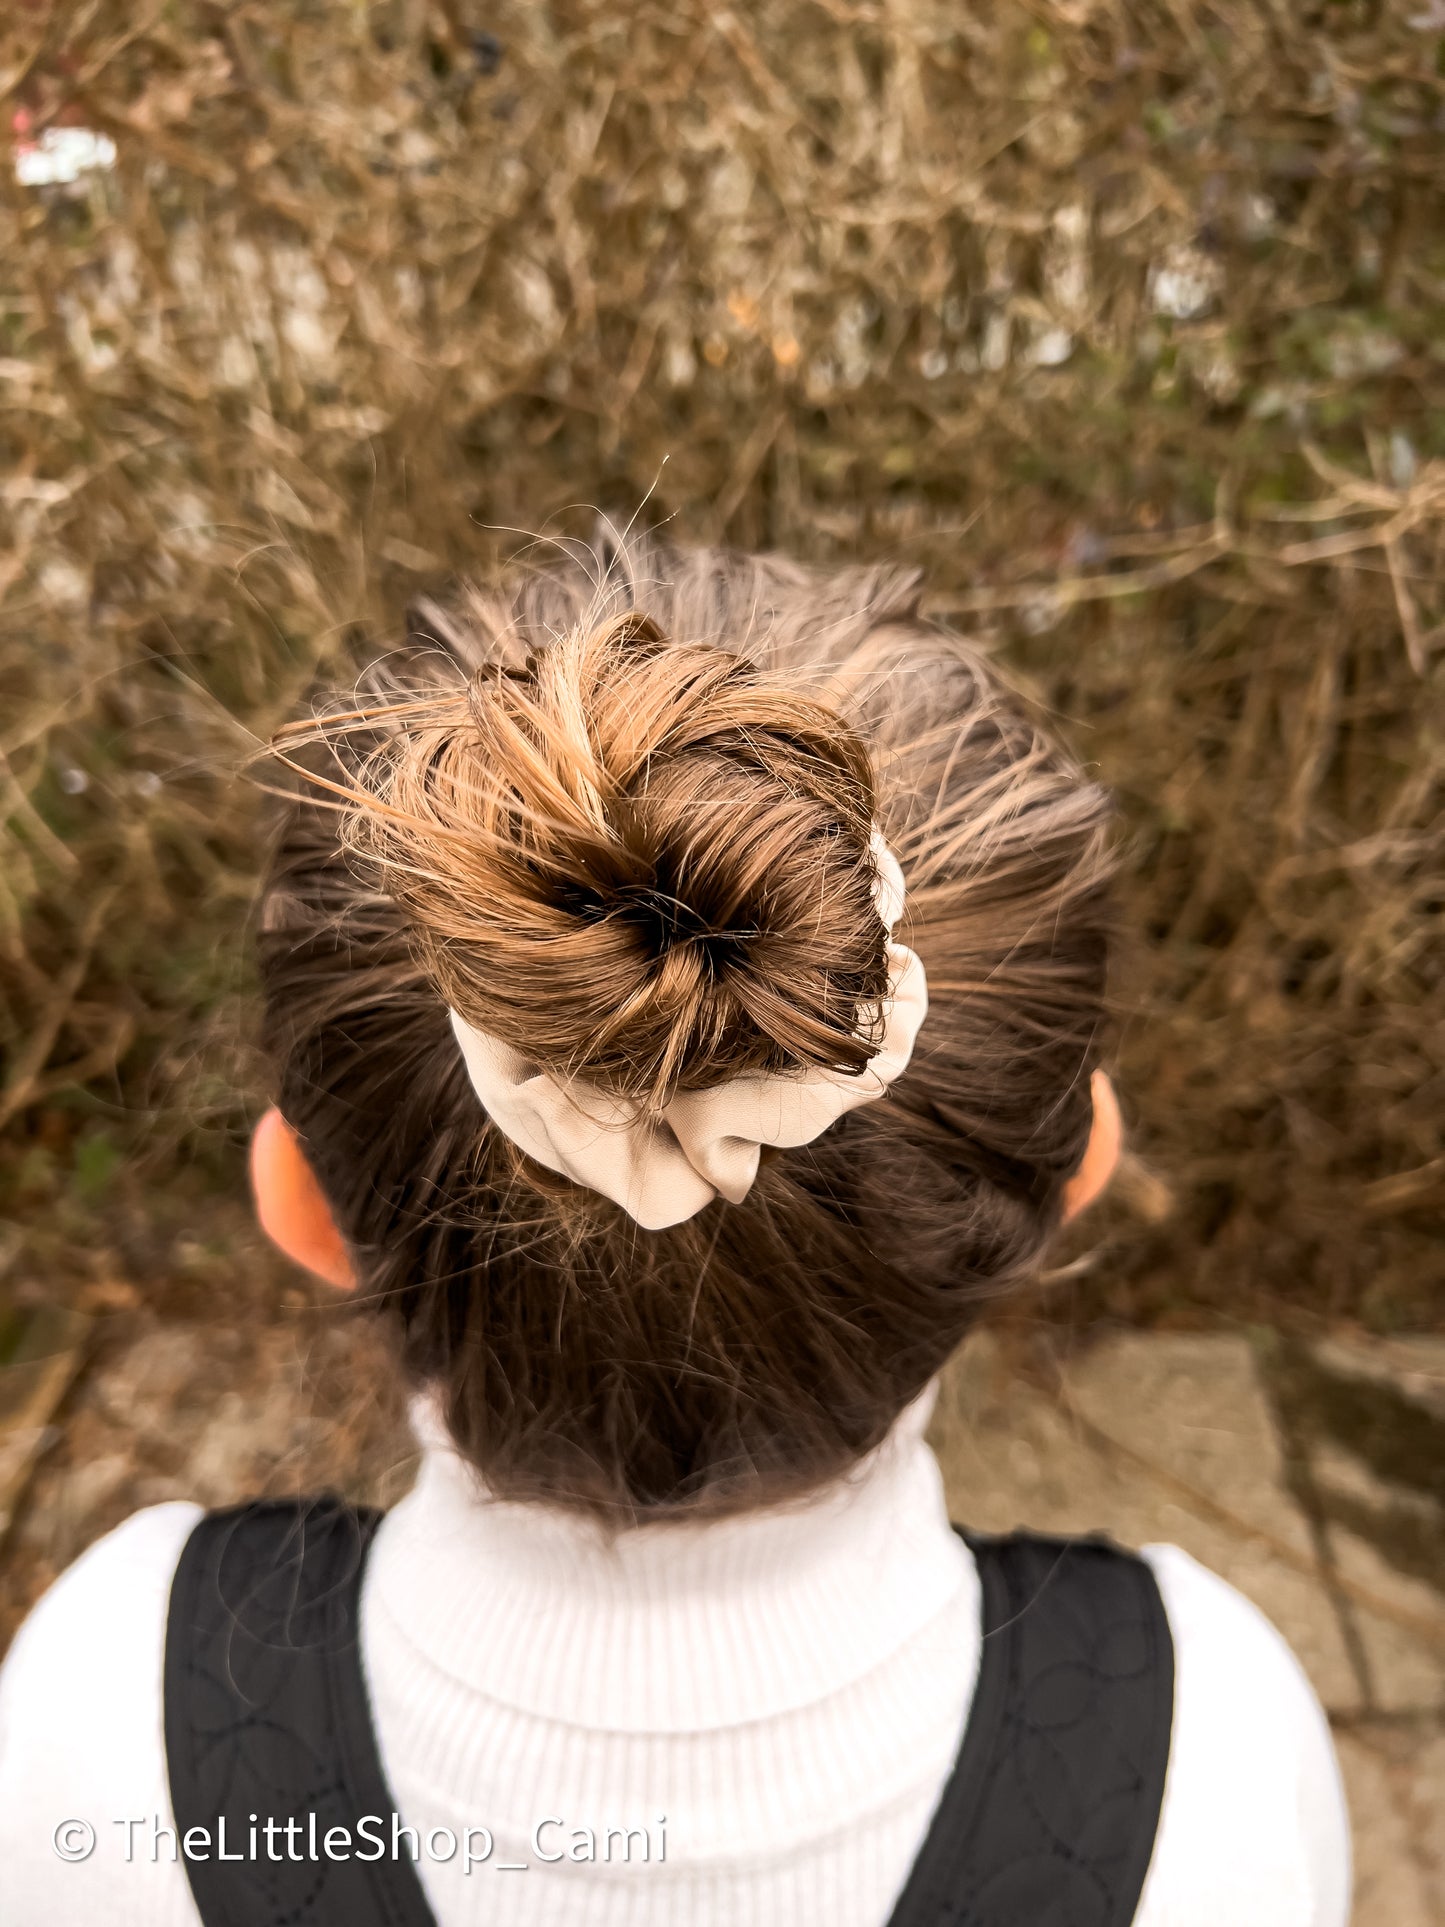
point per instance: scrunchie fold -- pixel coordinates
(664, 1169)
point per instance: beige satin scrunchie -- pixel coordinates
(705, 1143)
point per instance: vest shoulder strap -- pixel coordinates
(267, 1719)
(1049, 1816)
(1047, 1819)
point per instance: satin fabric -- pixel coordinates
(664, 1169)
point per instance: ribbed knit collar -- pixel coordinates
(669, 1628)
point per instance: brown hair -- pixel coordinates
(617, 812)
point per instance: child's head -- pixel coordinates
(628, 834)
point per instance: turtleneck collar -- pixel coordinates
(669, 1627)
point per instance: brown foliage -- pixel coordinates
(1124, 321)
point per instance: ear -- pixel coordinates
(1101, 1156)
(290, 1206)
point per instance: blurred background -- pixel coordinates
(1122, 319)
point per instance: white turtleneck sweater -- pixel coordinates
(773, 1701)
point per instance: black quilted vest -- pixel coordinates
(1047, 1819)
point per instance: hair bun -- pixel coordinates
(639, 861)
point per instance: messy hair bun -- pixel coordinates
(637, 861)
(617, 813)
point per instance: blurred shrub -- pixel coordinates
(1124, 322)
